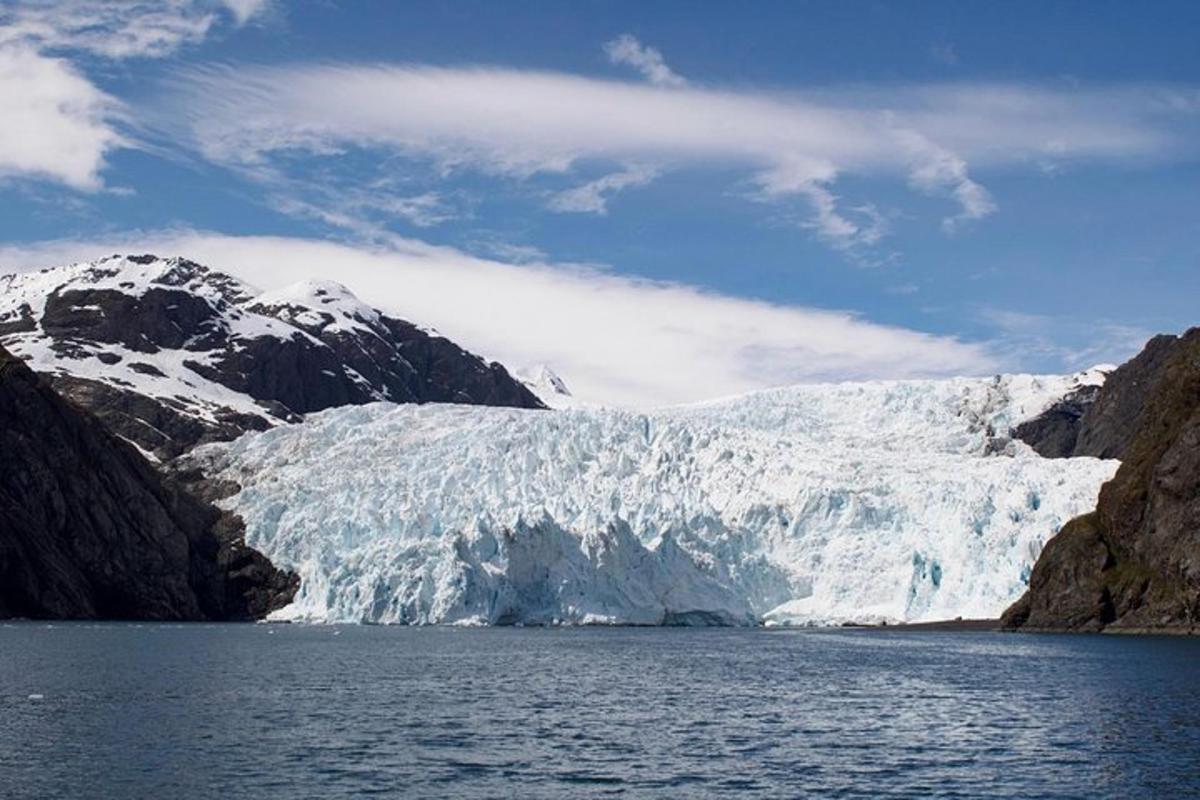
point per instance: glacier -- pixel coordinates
(888, 501)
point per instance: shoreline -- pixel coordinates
(948, 626)
(989, 625)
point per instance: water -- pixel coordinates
(160, 711)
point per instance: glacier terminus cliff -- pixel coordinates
(856, 502)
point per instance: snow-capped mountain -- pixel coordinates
(814, 504)
(548, 386)
(170, 353)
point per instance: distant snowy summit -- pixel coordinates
(170, 353)
(550, 388)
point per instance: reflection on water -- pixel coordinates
(287, 711)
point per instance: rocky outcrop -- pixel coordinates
(1134, 563)
(89, 529)
(163, 426)
(1113, 421)
(1100, 421)
(1055, 432)
(170, 354)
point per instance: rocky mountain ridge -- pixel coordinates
(170, 354)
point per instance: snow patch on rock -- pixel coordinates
(325, 305)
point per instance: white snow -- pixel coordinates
(117, 273)
(232, 301)
(546, 384)
(323, 304)
(899, 501)
(203, 398)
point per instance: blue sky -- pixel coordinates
(902, 188)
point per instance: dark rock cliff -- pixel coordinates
(1100, 421)
(1055, 432)
(89, 529)
(1134, 563)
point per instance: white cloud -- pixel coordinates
(423, 210)
(490, 243)
(358, 209)
(627, 50)
(118, 29)
(936, 170)
(1076, 344)
(245, 10)
(614, 339)
(851, 230)
(792, 145)
(55, 123)
(592, 197)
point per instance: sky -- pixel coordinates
(663, 202)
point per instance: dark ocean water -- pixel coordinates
(151, 711)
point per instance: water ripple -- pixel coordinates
(293, 711)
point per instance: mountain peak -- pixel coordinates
(170, 353)
(550, 378)
(321, 304)
(128, 274)
(549, 387)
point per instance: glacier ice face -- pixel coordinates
(898, 501)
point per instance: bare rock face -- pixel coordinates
(1055, 432)
(170, 354)
(1100, 421)
(1113, 421)
(90, 530)
(1134, 563)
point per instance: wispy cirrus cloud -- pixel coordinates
(627, 50)
(592, 197)
(1073, 343)
(58, 125)
(615, 339)
(363, 209)
(119, 30)
(792, 145)
(245, 10)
